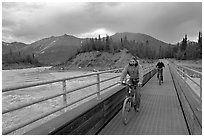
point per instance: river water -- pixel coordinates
(32, 75)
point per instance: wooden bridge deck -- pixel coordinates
(160, 112)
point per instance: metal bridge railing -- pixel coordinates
(191, 102)
(189, 73)
(64, 94)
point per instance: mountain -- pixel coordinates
(54, 50)
(153, 43)
(57, 49)
(137, 37)
(14, 46)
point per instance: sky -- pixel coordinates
(169, 21)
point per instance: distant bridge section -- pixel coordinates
(172, 108)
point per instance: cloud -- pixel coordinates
(28, 22)
(95, 33)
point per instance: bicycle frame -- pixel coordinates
(130, 91)
(129, 102)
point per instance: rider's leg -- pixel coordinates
(130, 82)
(158, 74)
(138, 97)
(162, 75)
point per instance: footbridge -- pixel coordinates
(172, 108)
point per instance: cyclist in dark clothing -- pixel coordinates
(160, 65)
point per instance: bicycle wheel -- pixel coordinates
(126, 109)
(134, 102)
(160, 76)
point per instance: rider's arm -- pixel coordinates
(157, 65)
(124, 73)
(140, 74)
(163, 64)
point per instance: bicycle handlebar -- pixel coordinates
(129, 85)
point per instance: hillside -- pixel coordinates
(96, 60)
(54, 50)
(14, 46)
(153, 43)
(136, 36)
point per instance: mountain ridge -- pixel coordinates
(57, 49)
(87, 37)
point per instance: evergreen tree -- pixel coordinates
(107, 43)
(111, 45)
(200, 38)
(96, 44)
(184, 44)
(99, 43)
(93, 46)
(104, 44)
(200, 45)
(125, 41)
(122, 44)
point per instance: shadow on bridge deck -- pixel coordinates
(160, 112)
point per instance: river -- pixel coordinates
(31, 75)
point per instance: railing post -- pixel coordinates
(149, 72)
(185, 73)
(64, 95)
(98, 87)
(179, 70)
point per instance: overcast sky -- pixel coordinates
(169, 22)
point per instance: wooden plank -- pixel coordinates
(160, 113)
(89, 124)
(109, 103)
(113, 106)
(96, 128)
(111, 114)
(79, 120)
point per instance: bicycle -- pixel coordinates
(129, 102)
(160, 75)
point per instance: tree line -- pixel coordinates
(137, 48)
(144, 49)
(188, 50)
(18, 57)
(99, 44)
